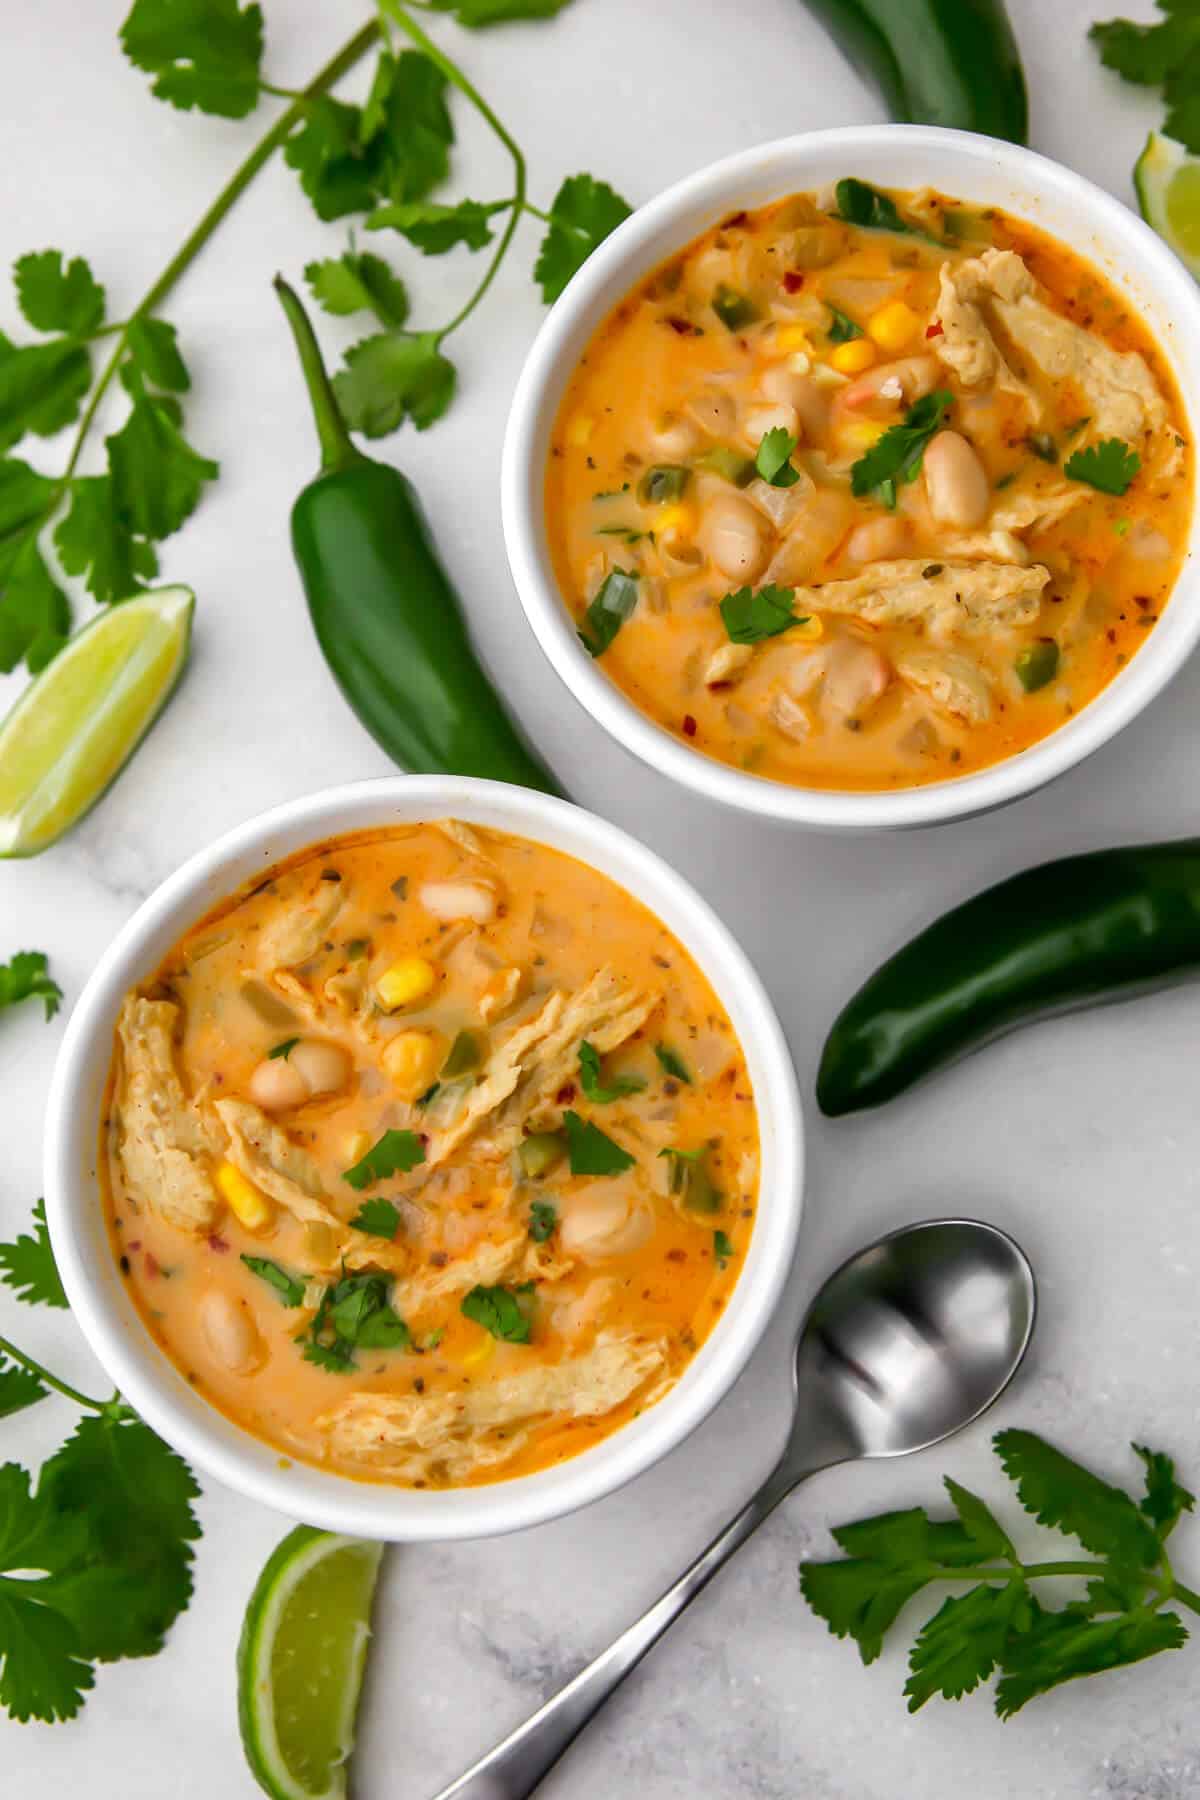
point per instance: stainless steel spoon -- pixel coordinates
(905, 1344)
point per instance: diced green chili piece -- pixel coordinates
(728, 463)
(539, 1152)
(664, 481)
(1037, 664)
(463, 1055)
(1043, 445)
(691, 1180)
(613, 605)
(733, 309)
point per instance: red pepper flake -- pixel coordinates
(136, 1244)
(934, 330)
(689, 725)
(684, 327)
(218, 1244)
(677, 1256)
(152, 1265)
(565, 1094)
(793, 281)
(734, 220)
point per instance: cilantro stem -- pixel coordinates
(62, 1387)
(395, 11)
(345, 59)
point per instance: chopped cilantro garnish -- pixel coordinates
(289, 1289)
(543, 1219)
(673, 1063)
(868, 207)
(843, 328)
(395, 1154)
(592, 1151)
(284, 1049)
(377, 1216)
(897, 456)
(751, 616)
(589, 1079)
(499, 1311)
(774, 460)
(723, 1249)
(1109, 466)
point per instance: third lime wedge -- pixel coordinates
(78, 722)
(1167, 179)
(300, 1662)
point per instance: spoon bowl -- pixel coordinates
(905, 1343)
(912, 1339)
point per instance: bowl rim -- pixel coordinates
(554, 353)
(147, 1377)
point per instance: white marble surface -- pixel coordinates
(1075, 1136)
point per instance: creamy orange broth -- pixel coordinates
(876, 688)
(632, 1270)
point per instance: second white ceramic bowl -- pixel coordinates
(978, 170)
(158, 1390)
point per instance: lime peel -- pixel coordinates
(300, 1662)
(1167, 179)
(77, 724)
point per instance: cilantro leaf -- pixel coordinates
(154, 347)
(963, 1642)
(911, 1536)
(1063, 1646)
(41, 387)
(379, 1217)
(27, 1264)
(336, 1357)
(723, 1250)
(774, 459)
(395, 1154)
(584, 212)
(1061, 1492)
(94, 540)
(475, 14)
(19, 1388)
(202, 53)
(354, 1313)
(1147, 54)
(435, 229)
(391, 377)
(843, 328)
(133, 1495)
(357, 282)
(978, 1522)
(290, 1291)
(860, 1600)
(752, 616)
(592, 1151)
(896, 456)
(281, 1051)
(1109, 466)
(673, 1063)
(157, 477)
(27, 977)
(1164, 1500)
(872, 210)
(34, 615)
(43, 1674)
(1182, 91)
(611, 608)
(499, 1311)
(25, 501)
(543, 1221)
(336, 172)
(690, 1178)
(406, 126)
(58, 296)
(589, 1079)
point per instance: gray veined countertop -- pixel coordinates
(1080, 1137)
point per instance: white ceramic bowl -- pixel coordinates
(106, 1313)
(976, 169)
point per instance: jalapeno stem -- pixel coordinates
(337, 450)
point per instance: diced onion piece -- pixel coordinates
(450, 900)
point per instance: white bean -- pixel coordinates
(605, 1221)
(275, 1084)
(713, 411)
(855, 677)
(761, 419)
(793, 389)
(888, 384)
(734, 536)
(956, 482)
(322, 1067)
(674, 437)
(878, 540)
(230, 1333)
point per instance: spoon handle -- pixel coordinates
(515, 1767)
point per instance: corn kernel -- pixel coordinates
(480, 1352)
(675, 518)
(854, 357)
(407, 980)
(809, 630)
(893, 325)
(412, 1060)
(579, 431)
(860, 434)
(792, 337)
(249, 1206)
(356, 1147)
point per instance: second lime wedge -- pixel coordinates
(79, 721)
(1167, 179)
(300, 1662)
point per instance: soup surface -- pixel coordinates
(432, 1158)
(866, 490)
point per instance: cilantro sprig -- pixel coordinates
(26, 976)
(395, 1153)
(353, 1314)
(379, 161)
(750, 615)
(1000, 1623)
(896, 457)
(1109, 466)
(1166, 55)
(96, 1551)
(498, 1310)
(602, 1093)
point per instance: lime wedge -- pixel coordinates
(76, 725)
(1167, 179)
(300, 1662)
